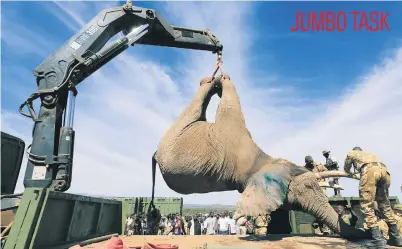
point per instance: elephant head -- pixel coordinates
(197, 156)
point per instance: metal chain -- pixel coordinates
(219, 61)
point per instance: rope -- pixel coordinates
(219, 61)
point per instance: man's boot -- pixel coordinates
(379, 241)
(395, 238)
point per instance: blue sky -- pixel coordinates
(290, 84)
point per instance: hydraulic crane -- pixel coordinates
(50, 156)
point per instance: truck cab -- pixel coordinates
(12, 152)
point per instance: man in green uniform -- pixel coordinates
(315, 168)
(332, 164)
(349, 218)
(261, 225)
(398, 216)
(374, 184)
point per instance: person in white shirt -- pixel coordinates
(192, 226)
(231, 225)
(223, 225)
(216, 223)
(210, 225)
(204, 225)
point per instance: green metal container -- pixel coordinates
(48, 220)
(136, 205)
(12, 152)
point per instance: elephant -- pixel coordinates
(197, 156)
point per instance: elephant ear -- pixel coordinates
(265, 192)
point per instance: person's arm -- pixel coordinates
(182, 229)
(348, 164)
(321, 167)
(354, 218)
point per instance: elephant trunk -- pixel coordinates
(324, 213)
(306, 195)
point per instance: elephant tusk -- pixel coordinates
(327, 174)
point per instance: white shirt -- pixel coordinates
(232, 224)
(210, 225)
(192, 227)
(223, 224)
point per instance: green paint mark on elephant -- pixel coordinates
(273, 183)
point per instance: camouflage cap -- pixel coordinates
(326, 152)
(308, 159)
(398, 207)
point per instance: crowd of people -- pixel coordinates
(224, 223)
(228, 223)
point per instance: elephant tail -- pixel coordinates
(153, 179)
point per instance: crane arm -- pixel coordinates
(50, 156)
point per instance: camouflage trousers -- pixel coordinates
(261, 231)
(373, 186)
(399, 222)
(383, 228)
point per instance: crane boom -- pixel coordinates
(50, 156)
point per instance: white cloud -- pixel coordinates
(123, 110)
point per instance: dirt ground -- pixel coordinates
(245, 242)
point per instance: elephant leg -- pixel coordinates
(196, 110)
(229, 109)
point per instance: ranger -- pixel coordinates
(332, 164)
(398, 216)
(374, 184)
(261, 224)
(315, 168)
(349, 218)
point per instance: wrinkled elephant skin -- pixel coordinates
(196, 156)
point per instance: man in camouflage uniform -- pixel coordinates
(349, 218)
(398, 216)
(261, 224)
(380, 222)
(315, 168)
(374, 184)
(332, 164)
